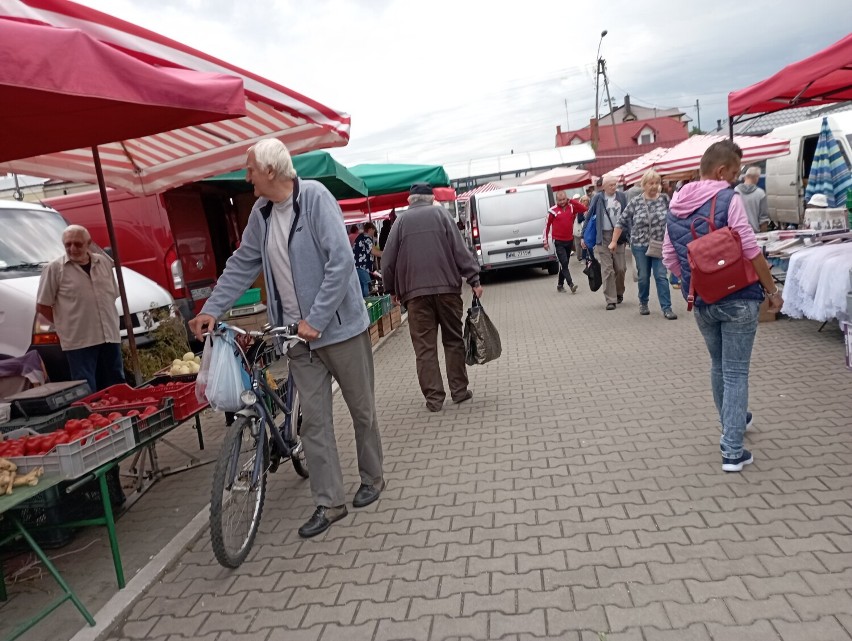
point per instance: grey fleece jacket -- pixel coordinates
(426, 255)
(754, 201)
(321, 259)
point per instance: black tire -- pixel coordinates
(552, 268)
(233, 540)
(300, 462)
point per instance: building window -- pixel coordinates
(646, 136)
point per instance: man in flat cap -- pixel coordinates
(423, 266)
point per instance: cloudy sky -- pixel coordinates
(446, 80)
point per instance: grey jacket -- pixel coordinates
(321, 259)
(426, 255)
(754, 201)
(598, 207)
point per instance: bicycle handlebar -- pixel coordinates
(287, 332)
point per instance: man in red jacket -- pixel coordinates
(560, 221)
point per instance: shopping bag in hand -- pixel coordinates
(481, 340)
(593, 271)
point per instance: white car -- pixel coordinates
(31, 238)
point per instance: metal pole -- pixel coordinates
(609, 100)
(128, 322)
(595, 135)
(698, 114)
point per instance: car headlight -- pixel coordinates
(248, 397)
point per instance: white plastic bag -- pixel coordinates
(204, 371)
(225, 379)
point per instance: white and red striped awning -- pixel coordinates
(686, 156)
(155, 163)
(478, 190)
(631, 171)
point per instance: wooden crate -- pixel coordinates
(374, 333)
(385, 326)
(395, 316)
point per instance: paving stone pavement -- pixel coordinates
(579, 495)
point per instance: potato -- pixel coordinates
(194, 367)
(188, 356)
(183, 369)
(176, 362)
(197, 359)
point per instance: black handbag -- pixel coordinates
(593, 271)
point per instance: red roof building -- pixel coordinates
(627, 139)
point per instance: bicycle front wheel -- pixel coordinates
(236, 504)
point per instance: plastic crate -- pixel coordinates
(72, 460)
(44, 424)
(49, 398)
(55, 506)
(153, 424)
(251, 297)
(5, 412)
(182, 393)
(374, 309)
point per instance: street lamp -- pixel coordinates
(597, 89)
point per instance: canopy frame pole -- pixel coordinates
(125, 307)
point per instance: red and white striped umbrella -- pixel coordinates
(478, 190)
(155, 163)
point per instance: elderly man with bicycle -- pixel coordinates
(296, 238)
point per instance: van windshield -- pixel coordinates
(30, 237)
(513, 208)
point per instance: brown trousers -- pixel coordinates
(425, 315)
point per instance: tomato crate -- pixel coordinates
(43, 424)
(183, 395)
(72, 460)
(123, 397)
(146, 427)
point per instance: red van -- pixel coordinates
(167, 237)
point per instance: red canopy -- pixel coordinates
(389, 201)
(185, 154)
(62, 89)
(825, 77)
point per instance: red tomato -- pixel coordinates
(101, 435)
(114, 416)
(132, 413)
(73, 424)
(86, 424)
(62, 438)
(150, 409)
(112, 399)
(149, 399)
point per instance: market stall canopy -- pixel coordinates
(561, 178)
(686, 156)
(394, 178)
(523, 161)
(62, 89)
(632, 171)
(823, 78)
(314, 165)
(188, 153)
(389, 201)
(480, 189)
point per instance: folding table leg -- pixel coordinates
(110, 526)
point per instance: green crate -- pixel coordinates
(374, 309)
(251, 297)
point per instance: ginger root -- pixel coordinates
(8, 466)
(30, 478)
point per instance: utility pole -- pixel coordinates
(609, 100)
(595, 135)
(698, 114)
(567, 119)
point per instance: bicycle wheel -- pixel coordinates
(300, 462)
(235, 505)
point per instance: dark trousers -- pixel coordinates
(563, 253)
(425, 315)
(99, 365)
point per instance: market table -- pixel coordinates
(9, 501)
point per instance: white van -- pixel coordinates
(506, 227)
(31, 238)
(786, 176)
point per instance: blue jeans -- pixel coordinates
(729, 329)
(364, 279)
(99, 365)
(647, 266)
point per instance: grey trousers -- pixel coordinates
(351, 364)
(613, 268)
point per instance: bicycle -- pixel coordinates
(254, 446)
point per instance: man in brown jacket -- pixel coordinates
(422, 267)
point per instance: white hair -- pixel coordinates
(272, 153)
(77, 229)
(421, 199)
(753, 172)
(607, 178)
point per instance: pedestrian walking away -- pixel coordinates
(754, 200)
(295, 236)
(423, 266)
(364, 249)
(729, 325)
(606, 207)
(645, 221)
(560, 225)
(77, 293)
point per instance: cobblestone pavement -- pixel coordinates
(578, 496)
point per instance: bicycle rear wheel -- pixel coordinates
(236, 504)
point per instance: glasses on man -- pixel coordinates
(75, 243)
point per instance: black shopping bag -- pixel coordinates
(481, 340)
(593, 271)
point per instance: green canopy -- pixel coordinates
(319, 166)
(392, 179)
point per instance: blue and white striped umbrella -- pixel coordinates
(829, 172)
